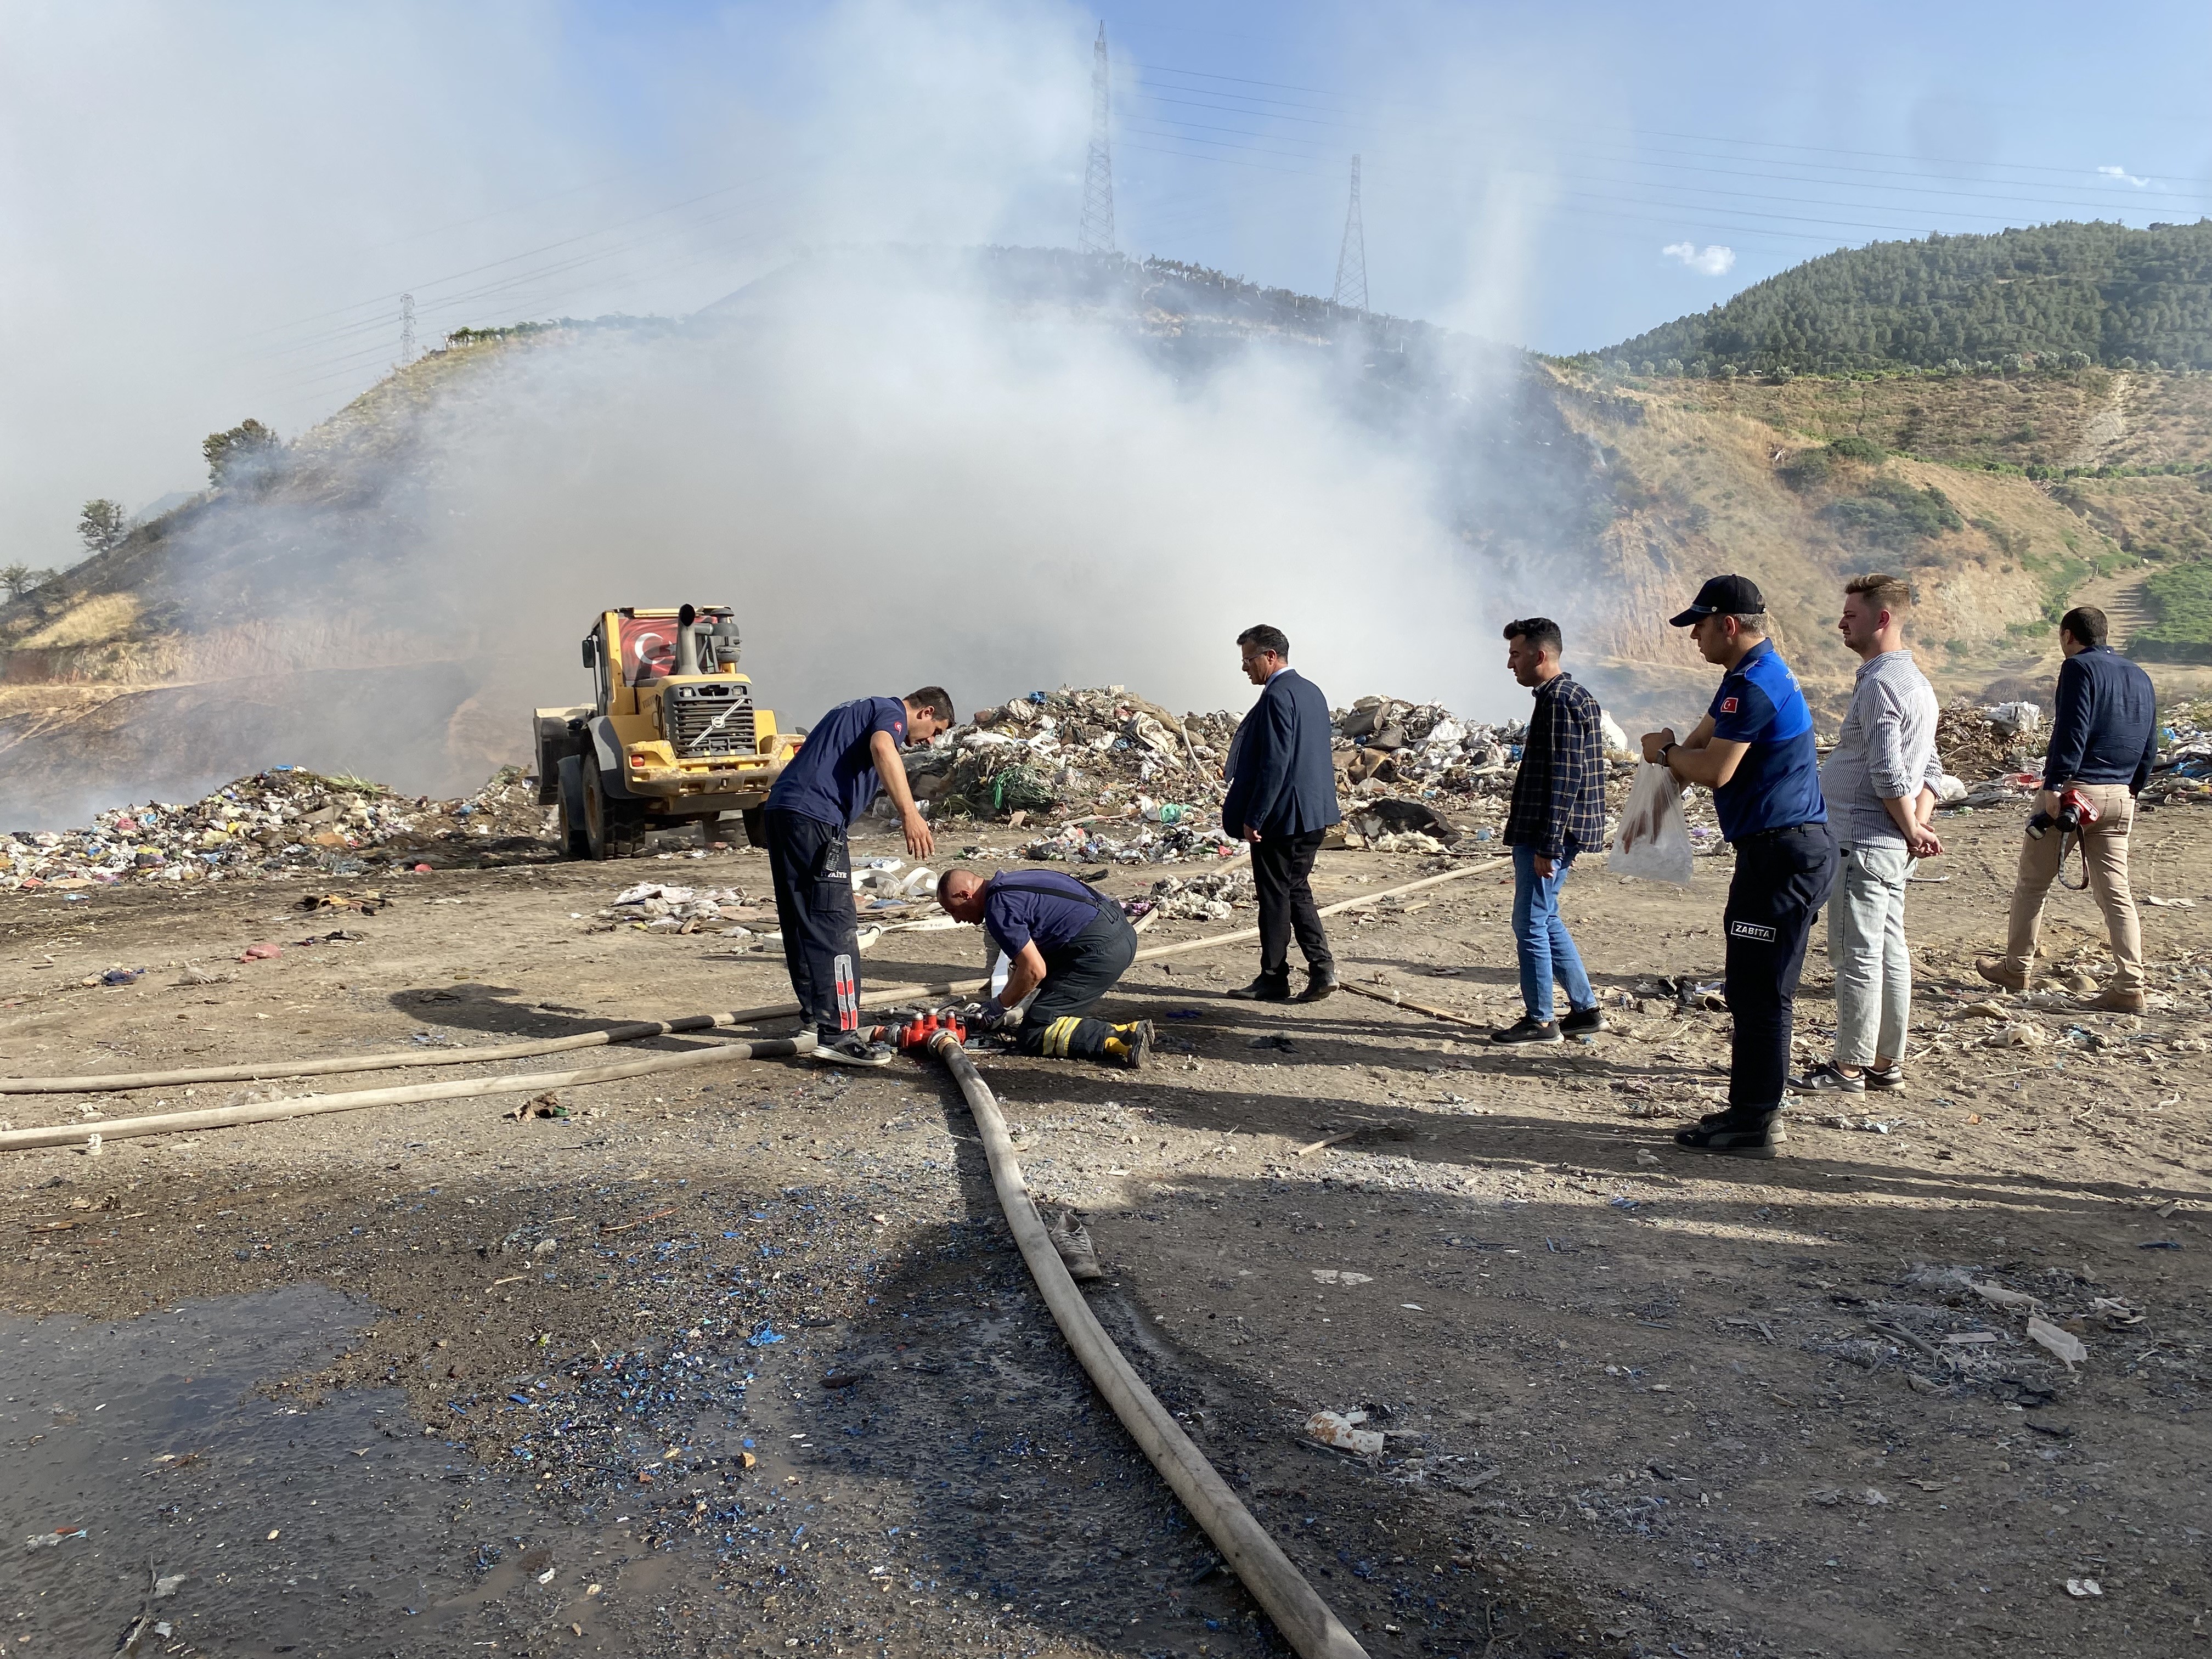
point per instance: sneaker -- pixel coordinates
(1528, 1029)
(1828, 1078)
(851, 1048)
(1737, 1134)
(1581, 1021)
(1319, 982)
(1071, 1240)
(2113, 1000)
(1885, 1077)
(1131, 1044)
(1998, 971)
(1269, 988)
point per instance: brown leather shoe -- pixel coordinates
(1998, 971)
(2114, 1001)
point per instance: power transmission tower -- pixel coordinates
(1096, 233)
(1352, 258)
(406, 330)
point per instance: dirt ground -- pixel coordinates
(741, 1359)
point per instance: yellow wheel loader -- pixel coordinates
(671, 738)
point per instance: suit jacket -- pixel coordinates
(1282, 778)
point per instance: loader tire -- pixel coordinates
(613, 829)
(574, 844)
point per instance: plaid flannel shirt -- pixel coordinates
(1558, 795)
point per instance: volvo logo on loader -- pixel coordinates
(671, 737)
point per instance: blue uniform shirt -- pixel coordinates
(1778, 782)
(832, 779)
(1043, 906)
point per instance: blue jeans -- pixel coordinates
(1541, 939)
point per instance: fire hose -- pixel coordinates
(265, 1111)
(1298, 1609)
(629, 1032)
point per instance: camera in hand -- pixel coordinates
(2074, 809)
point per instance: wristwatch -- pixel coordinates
(1665, 749)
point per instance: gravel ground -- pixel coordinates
(743, 1358)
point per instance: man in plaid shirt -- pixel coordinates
(1558, 811)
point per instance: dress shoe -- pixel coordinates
(1736, 1134)
(1319, 982)
(1269, 988)
(1998, 971)
(2114, 1001)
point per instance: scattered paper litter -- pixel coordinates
(2061, 1342)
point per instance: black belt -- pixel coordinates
(1786, 829)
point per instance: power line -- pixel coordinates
(1351, 257)
(1094, 234)
(2075, 171)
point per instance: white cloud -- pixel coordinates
(2122, 174)
(1712, 260)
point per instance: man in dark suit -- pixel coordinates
(1282, 799)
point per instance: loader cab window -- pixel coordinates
(648, 648)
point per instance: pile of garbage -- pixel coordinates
(285, 821)
(2183, 771)
(1978, 741)
(1210, 895)
(1121, 780)
(662, 908)
(2001, 746)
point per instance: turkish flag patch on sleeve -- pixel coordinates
(1727, 705)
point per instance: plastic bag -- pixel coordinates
(1653, 839)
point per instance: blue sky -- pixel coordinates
(227, 227)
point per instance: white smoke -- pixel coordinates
(898, 480)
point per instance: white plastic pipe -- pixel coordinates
(265, 1111)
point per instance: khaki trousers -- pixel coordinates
(2104, 850)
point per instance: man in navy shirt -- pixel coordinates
(1062, 940)
(1755, 750)
(821, 790)
(2103, 736)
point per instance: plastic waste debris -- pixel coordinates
(1341, 1430)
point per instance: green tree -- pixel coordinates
(20, 578)
(243, 456)
(103, 525)
(2100, 291)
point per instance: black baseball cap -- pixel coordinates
(1731, 596)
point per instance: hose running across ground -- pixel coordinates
(265, 1111)
(631, 1031)
(1305, 1620)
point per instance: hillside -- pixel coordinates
(2059, 297)
(412, 577)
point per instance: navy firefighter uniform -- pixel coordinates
(1772, 812)
(822, 790)
(1087, 944)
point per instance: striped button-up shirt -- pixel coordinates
(1886, 751)
(1559, 794)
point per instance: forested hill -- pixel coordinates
(2057, 296)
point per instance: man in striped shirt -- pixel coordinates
(1879, 783)
(1558, 811)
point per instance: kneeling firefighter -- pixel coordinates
(1064, 941)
